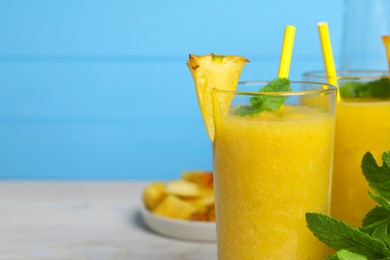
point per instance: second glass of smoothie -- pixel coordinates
(362, 125)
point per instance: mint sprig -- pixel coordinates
(341, 236)
(346, 255)
(261, 103)
(372, 240)
(375, 215)
(374, 89)
(378, 177)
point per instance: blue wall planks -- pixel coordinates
(100, 90)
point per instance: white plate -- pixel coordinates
(183, 229)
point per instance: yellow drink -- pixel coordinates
(269, 171)
(361, 126)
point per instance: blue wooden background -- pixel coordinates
(93, 89)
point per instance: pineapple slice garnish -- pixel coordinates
(213, 71)
(386, 42)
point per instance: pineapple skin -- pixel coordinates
(210, 72)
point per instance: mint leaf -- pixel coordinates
(381, 231)
(372, 240)
(378, 177)
(339, 236)
(375, 215)
(353, 89)
(379, 226)
(379, 88)
(381, 201)
(347, 255)
(261, 103)
(374, 89)
(247, 111)
(332, 257)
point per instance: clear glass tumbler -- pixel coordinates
(362, 125)
(270, 169)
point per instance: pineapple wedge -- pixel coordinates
(173, 207)
(386, 42)
(154, 193)
(213, 71)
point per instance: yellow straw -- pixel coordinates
(287, 48)
(327, 55)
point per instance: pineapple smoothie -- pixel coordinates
(273, 150)
(361, 126)
(269, 171)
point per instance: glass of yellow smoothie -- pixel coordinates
(270, 168)
(362, 124)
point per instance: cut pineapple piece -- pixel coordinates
(213, 71)
(189, 198)
(183, 188)
(202, 178)
(173, 207)
(203, 201)
(153, 194)
(204, 214)
(386, 42)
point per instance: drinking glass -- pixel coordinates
(365, 22)
(270, 169)
(362, 125)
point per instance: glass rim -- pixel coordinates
(325, 88)
(349, 74)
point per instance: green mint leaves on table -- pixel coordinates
(262, 103)
(372, 240)
(374, 89)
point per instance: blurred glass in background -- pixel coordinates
(365, 22)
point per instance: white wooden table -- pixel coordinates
(83, 220)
